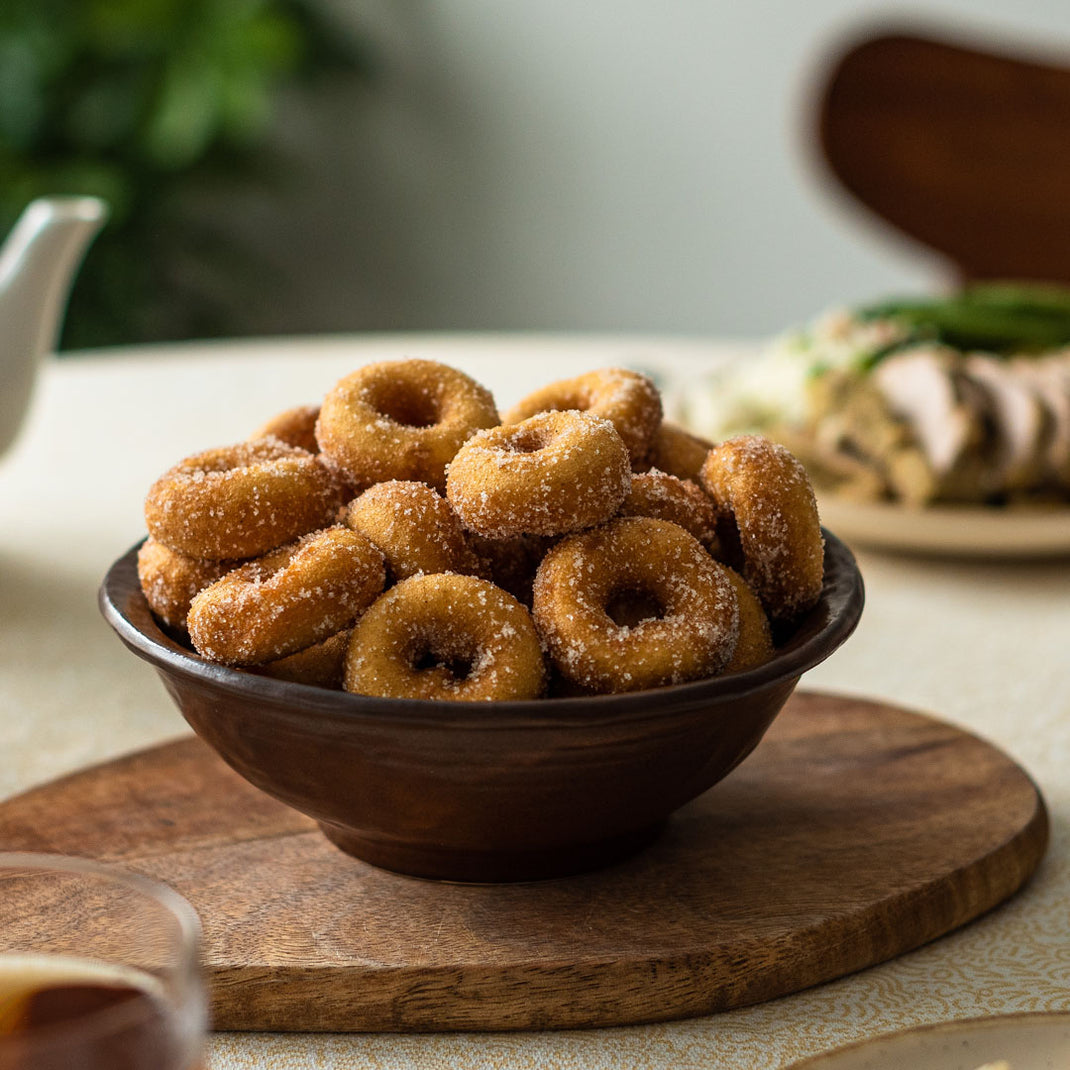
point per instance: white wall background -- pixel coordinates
(593, 165)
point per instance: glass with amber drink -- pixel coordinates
(98, 969)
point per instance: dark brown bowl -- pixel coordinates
(484, 791)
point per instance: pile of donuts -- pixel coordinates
(404, 539)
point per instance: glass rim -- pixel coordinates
(188, 943)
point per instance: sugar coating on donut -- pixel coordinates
(666, 497)
(629, 400)
(415, 528)
(766, 505)
(240, 501)
(295, 427)
(689, 633)
(401, 420)
(446, 637)
(551, 474)
(170, 581)
(287, 600)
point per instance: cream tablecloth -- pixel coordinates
(985, 645)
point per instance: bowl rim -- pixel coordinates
(124, 607)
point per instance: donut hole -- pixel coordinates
(528, 440)
(459, 664)
(630, 606)
(404, 405)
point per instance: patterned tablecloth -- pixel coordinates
(982, 644)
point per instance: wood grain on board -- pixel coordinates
(855, 832)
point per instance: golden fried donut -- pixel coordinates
(678, 452)
(240, 501)
(766, 507)
(755, 644)
(452, 637)
(689, 632)
(630, 401)
(295, 427)
(665, 497)
(415, 528)
(554, 473)
(287, 600)
(401, 420)
(169, 580)
(319, 665)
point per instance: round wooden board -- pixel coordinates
(855, 832)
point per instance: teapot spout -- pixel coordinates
(37, 265)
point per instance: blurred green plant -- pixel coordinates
(152, 105)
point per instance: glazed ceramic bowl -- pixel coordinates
(484, 791)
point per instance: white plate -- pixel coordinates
(962, 531)
(1024, 1041)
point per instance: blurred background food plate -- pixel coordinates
(1007, 1042)
(936, 424)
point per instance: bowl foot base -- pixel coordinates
(434, 862)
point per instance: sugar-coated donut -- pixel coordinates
(415, 528)
(678, 452)
(170, 580)
(755, 644)
(320, 665)
(766, 507)
(666, 497)
(554, 473)
(401, 420)
(287, 600)
(401, 540)
(295, 427)
(630, 401)
(689, 633)
(452, 637)
(240, 501)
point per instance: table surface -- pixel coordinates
(982, 644)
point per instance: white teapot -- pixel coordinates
(37, 266)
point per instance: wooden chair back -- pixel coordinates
(965, 151)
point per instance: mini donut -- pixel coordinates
(240, 501)
(630, 401)
(287, 600)
(401, 420)
(689, 632)
(320, 665)
(446, 637)
(665, 497)
(755, 644)
(415, 528)
(766, 508)
(554, 473)
(678, 452)
(295, 427)
(169, 580)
